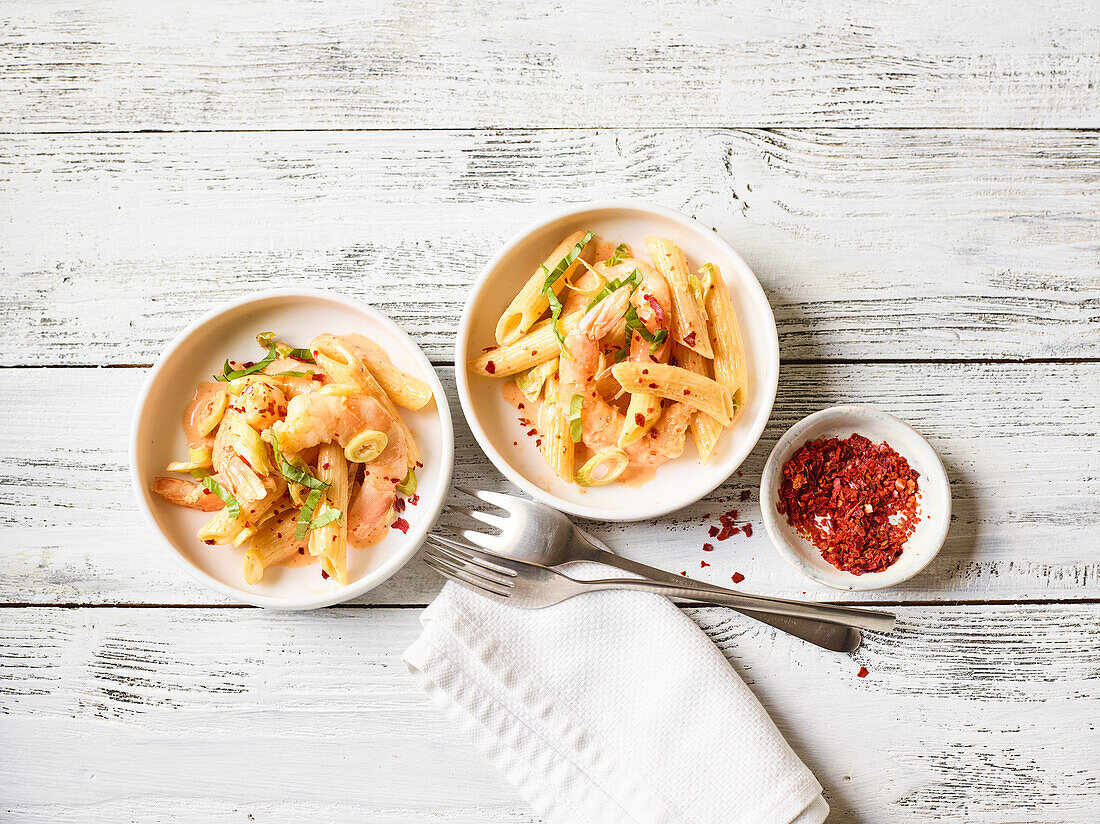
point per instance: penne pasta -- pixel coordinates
(273, 543)
(642, 412)
(729, 348)
(330, 540)
(677, 384)
(690, 321)
(531, 303)
(405, 390)
(705, 430)
(556, 444)
(537, 346)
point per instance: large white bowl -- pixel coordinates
(934, 508)
(494, 421)
(196, 354)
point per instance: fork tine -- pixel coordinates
(471, 535)
(455, 574)
(497, 499)
(494, 521)
(509, 565)
(466, 559)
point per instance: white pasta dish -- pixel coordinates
(613, 359)
(300, 454)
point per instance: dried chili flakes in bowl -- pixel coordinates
(855, 500)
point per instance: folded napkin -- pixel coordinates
(610, 707)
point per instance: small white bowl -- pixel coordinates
(198, 352)
(494, 421)
(934, 506)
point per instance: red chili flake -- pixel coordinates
(687, 391)
(683, 572)
(248, 364)
(737, 577)
(488, 349)
(739, 473)
(706, 517)
(673, 361)
(515, 443)
(401, 524)
(703, 564)
(708, 547)
(712, 531)
(301, 551)
(490, 367)
(855, 500)
(655, 305)
(728, 532)
(419, 465)
(746, 494)
(316, 377)
(520, 406)
(532, 432)
(645, 371)
(205, 491)
(414, 499)
(689, 339)
(863, 672)
(538, 442)
(209, 542)
(747, 529)
(639, 419)
(653, 386)
(399, 504)
(324, 574)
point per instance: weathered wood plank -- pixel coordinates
(977, 714)
(1018, 442)
(871, 244)
(74, 65)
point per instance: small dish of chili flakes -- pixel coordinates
(890, 454)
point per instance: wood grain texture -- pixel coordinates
(255, 64)
(870, 244)
(1018, 443)
(234, 715)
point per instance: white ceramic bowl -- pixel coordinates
(494, 421)
(196, 354)
(934, 508)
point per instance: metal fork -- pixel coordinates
(532, 586)
(541, 535)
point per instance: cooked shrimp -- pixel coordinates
(236, 473)
(187, 493)
(314, 418)
(371, 511)
(600, 421)
(293, 385)
(261, 403)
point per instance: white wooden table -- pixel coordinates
(916, 184)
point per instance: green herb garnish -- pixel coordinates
(574, 418)
(231, 505)
(634, 324)
(634, 280)
(229, 374)
(552, 278)
(293, 473)
(621, 252)
(305, 515)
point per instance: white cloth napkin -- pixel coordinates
(610, 707)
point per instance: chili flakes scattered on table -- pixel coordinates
(854, 499)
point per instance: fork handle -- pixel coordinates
(862, 618)
(825, 634)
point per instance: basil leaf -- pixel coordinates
(621, 252)
(231, 505)
(552, 278)
(293, 473)
(291, 374)
(634, 324)
(575, 428)
(232, 374)
(302, 355)
(634, 280)
(305, 515)
(329, 515)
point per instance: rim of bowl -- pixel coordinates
(769, 489)
(462, 383)
(355, 588)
